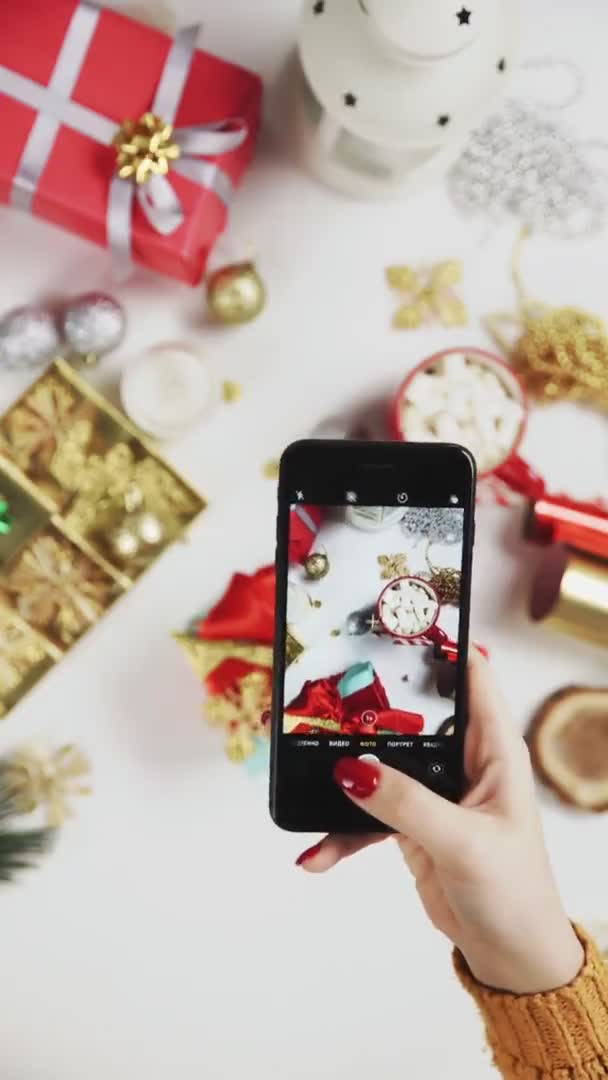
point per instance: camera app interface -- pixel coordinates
(373, 600)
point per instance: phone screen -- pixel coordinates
(374, 624)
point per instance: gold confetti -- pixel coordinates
(231, 391)
(336, 633)
(270, 469)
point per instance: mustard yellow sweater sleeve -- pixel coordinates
(562, 1035)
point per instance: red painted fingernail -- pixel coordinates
(309, 853)
(358, 778)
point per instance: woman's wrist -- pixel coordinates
(545, 960)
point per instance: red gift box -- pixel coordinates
(119, 78)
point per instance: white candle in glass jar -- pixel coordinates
(167, 389)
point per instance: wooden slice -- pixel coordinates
(568, 740)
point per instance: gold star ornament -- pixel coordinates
(427, 295)
(392, 566)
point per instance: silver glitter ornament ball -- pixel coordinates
(437, 524)
(28, 338)
(93, 324)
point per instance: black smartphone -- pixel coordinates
(373, 581)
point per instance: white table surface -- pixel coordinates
(169, 934)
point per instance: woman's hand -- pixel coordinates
(481, 868)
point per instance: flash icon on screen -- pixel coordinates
(351, 496)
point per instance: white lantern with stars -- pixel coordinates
(381, 94)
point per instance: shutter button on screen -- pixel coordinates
(369, 757)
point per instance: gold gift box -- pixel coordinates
(91, 506)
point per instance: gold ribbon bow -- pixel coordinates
(145, 148)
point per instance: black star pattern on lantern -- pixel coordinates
(464, 16)
(502, 64)
(319, 7)
(443, 120)
(350, 99)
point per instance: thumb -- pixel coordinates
(404, 804)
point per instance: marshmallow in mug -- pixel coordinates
(461, 399)
(408, 607)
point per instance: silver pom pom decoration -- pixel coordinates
(28, 338)
(437, 524)
(93, 324)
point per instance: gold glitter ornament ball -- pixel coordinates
(149, 528)
(316, 566)
(123, 542)
(236, 294)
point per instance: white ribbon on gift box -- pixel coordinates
(157, 197)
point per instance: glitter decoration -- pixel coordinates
(520, 164)
(437, 524)
(28, 338)
(93, 325)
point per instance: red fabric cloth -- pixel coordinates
(228, 674)
(362, 713)
(301, 535)
(118, 79)
(245, 611)
(319, 697)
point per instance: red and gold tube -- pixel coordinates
(556, 519)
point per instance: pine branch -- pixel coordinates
(19, 849)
